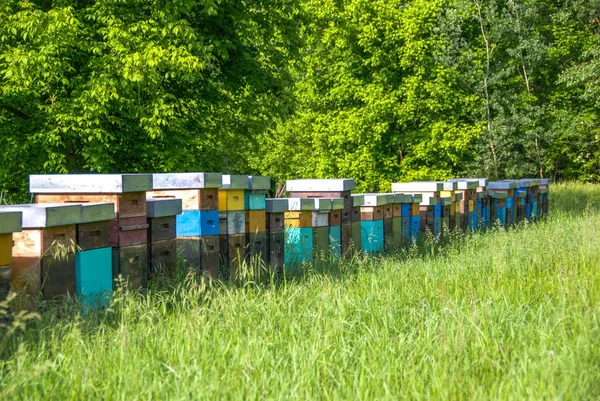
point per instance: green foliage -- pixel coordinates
(139, 86)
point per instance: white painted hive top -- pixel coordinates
(89, 183)
(10, 222)
(321, 185)
(418, 186)
(186, 180)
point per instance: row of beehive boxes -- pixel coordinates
(336, 221)
(78, 248)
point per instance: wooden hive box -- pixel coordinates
(162, 218)
(276, 251)
(197, 191)
(93, 260)
(10, 222)
(276, 209)
(44, 252)
(162, 236)
(323, 188)
(210, 256)
(298, 247)
(126, 191)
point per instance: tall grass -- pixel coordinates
(502, 315)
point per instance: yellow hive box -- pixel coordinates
(457, 210)
(256, 221)
(447, 194)
(471, 206)
(414, 209)
(6, 243)
(298, 219)
(231, 199)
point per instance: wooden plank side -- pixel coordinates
(58, 276)
(163, 258)
(6, 244)
(93, 235)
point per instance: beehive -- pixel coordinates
(10, 222)
(198, 221)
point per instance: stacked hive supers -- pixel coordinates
(299, 231)
(430, 205)
(10, 222)
(128, 232)
(373, 213)
(276, 209)
(332, 188)
(162, 242)
(502, 194)
(256, 220)
(197, 227)
(64, 248)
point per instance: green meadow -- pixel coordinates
(508, 315)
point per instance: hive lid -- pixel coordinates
(479, 182)
(10, 221)
(235, 181)
(502, 185)
(497, 194)
(321, 185)
(47, 215)
(374, 199)
(186, 180)
(89, 183)
(163, 207)
(337, 203)
(450, 185)
(93, 212)
(258, 182)
(358, 200)
(300, 204)
(418, 186)
(323, 204)
(276, 205)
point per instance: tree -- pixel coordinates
(131, 85)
